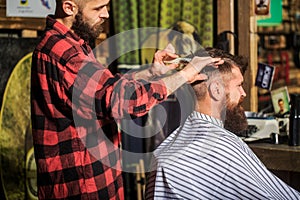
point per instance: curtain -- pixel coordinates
(136, 14)
(131, 15)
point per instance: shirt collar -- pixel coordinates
(52, 23)
(208, 118)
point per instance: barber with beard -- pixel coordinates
(202, 159)
(76, 104)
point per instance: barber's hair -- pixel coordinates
(76, 1)
(80, 3)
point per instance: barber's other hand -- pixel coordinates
(158, 66)
(192, 71)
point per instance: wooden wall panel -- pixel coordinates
(225, 20)
(247, 46)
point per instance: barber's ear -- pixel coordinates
(70, 8)
(216, 90)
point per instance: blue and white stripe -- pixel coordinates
(202, 160)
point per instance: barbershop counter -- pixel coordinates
(281, 159)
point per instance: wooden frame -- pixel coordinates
(246, 28)
(283, 94)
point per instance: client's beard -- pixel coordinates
(235, 120)
(84, 30)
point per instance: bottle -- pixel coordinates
(294, 127)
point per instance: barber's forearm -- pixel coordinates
(144, 74)
(174, 81)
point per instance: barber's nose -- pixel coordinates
(104, 13)
(243, 93)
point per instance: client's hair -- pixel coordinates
(200, 87)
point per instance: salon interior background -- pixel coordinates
(18, 36)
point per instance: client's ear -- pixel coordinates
(216, 90)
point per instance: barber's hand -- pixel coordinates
(192, 71)
(158, 67)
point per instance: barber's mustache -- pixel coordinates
(241, 100)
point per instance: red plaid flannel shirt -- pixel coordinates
(74, 104)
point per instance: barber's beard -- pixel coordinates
(235, 120)
(84, 30)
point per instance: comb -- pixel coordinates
(178, 61)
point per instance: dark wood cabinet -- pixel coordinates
(281, 159)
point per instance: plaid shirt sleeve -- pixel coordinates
(115, 96)
(98, 91)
